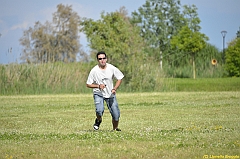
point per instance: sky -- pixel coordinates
(17, 16)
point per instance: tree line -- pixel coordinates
(160, 35)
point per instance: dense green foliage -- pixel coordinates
(232, 56)
(174, 125)
(115, 35)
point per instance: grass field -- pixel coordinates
(154, 125)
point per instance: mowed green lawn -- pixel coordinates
(154, 125)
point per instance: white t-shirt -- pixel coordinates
(106, 76)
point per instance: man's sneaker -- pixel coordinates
(97, 124)
(117, 129)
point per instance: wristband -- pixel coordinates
(114, 89)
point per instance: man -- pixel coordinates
(100, 79)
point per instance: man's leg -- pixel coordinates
(98, 117)
(115, 112)
(99, 105)
(115, 124)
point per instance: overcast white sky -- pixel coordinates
(18, 15)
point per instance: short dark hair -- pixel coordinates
(101, 52)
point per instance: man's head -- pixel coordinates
(102, 58)
(101, 52)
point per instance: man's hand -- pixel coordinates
(102, 86)
(113, 91)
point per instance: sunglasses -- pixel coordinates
(102, 58)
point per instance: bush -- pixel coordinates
(233, 58)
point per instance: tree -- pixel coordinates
(189, 39)
(56, 41)
(159, 21)
(189, 42)
(115, 35)
(191, 17)
(66, 23)
(36, 42)
(232, 54)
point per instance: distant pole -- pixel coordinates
(238, 33)
(161, 60)
(223, 35)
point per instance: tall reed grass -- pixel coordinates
(44, 78)
(62, 78)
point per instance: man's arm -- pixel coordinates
(118, 83)
(101, 86)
